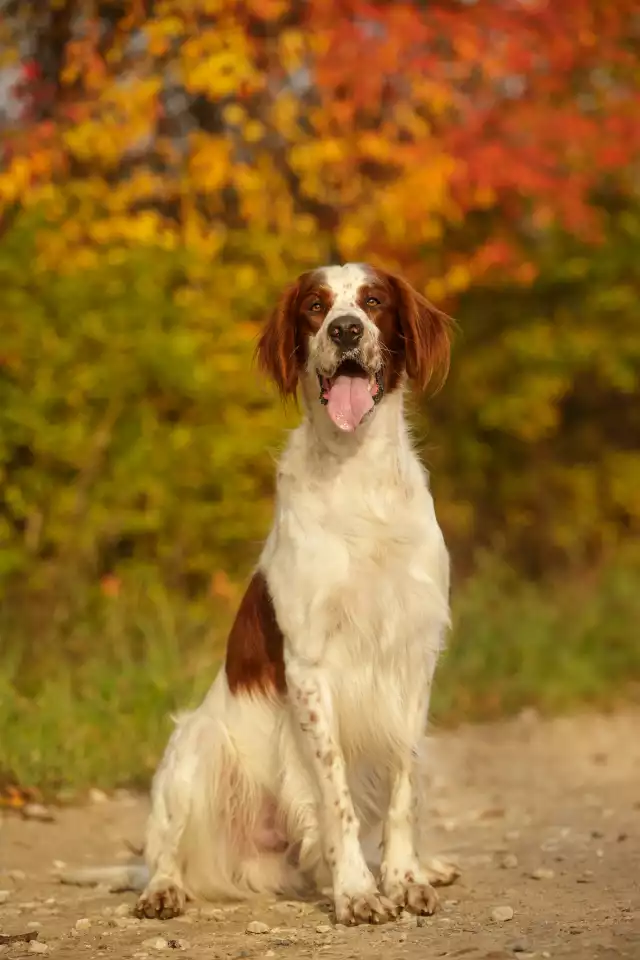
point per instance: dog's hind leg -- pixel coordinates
(173, 788)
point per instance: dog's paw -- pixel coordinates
(420, 898)
(411, 891)
(161, 902)
(365, 908)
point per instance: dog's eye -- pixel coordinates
(373, 302)
(316, 306)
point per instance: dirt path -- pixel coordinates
(558, 800)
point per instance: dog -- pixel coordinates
(308, 737)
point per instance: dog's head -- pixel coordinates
(353, 332)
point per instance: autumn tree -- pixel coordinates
(168, 165)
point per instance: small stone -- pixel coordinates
(521, 946)
(122, 910)
(509, 861)
(421, 922)
(257, 927)
(546, 954)
(33, 925)
(178, 944)
(37, 811)
(155, 943)
(270, 953)
(17, 875)
(542, 873)
(4, 895)
(402, 938)
(323, 928)
(212, 913)
(83, 923)
(502, 914)
(35, 946)
(97, 796)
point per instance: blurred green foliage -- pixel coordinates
(135, 437)
(535, 441)
(101, 715)
(137, 440)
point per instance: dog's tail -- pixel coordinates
(116, 879)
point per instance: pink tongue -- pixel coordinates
(349, 400)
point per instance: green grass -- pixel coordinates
(89, 703)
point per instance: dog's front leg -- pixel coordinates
(355, 893)
(403, 879)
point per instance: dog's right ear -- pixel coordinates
(278, 349)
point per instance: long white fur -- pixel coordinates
(359, 575)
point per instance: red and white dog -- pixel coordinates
(308, 737)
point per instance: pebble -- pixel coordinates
(521, 946)
(270, 953)
(502, 914)
(4, 895)
(323, 928)
(33, 925)
(35, 946)
(257, 926)
(97, 796)
(179, 944)
(37, 811)
(82, 924)
(402, 938)
(155, 943)
(509, 861)
(122, 910)
(542, 873)
(17, 875)
(212, 913)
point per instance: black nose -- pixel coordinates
(346, 332)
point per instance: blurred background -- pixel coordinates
(165, 168)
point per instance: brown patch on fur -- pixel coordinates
(416, 335)
(255, 648)
(282, 348)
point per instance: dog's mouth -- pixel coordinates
(350, 393)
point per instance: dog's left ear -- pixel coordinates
(426, 333)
